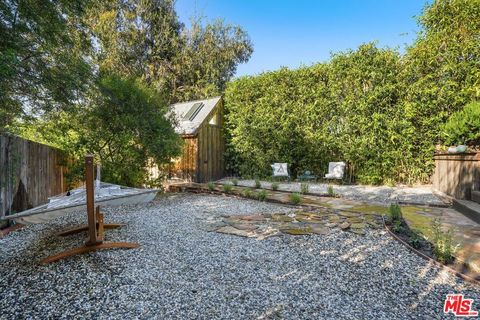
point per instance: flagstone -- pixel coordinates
(254, 217)
(245, 226)
(317, 229)
(348, 214)
(298, 231)
(236, 232)
(355, 220)
(345, 225)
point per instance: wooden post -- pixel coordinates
(95, 226)
(89, 189)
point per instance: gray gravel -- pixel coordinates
(422, 194)
(182, 271)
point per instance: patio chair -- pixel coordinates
(336, 170)
(280, 170)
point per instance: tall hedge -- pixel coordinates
(379, 111)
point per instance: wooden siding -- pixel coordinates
(457, 174)
(185, 167)
(202, 157)
(29, 173)
(211, 148)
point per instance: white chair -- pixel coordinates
(280, 170)
(336, 170)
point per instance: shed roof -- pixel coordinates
(200, 110)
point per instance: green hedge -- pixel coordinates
(344, 110)
(379, 111)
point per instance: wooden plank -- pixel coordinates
(31, 165)
(457, 174)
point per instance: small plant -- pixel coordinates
(415, 240)
(275, 186)
(247, 193)
(258, 184)
(397, 226)
(330, 191)
(442, 241)
(227, 188)
(304, 188)
(394, 212)
(211, 186)
(295, 198)
(262, 195)
(235, 181)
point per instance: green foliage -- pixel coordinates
(394, 213)
(379, 111)
(304, 188)
(194, 63)
(235, 181)
(247, 193)
(211, 186)
(275, 186)
(295, 198)
(463, 126)
(42, 65)
(122, 123)
(262, 195)
(443, 247)
(397, 226)
(227, 188)
(340, 110)
(330, 191)
(258, 184)
(415, 240)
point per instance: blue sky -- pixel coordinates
(292, 33)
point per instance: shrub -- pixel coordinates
(442, 241)
(258, 184)
(304, 188)
(275, 186)
(415, 240)
(235, 181)
(227, 188)
(211, 186)
(262, 195)
(397, 226)
(330, 191)
(463, 126)
(394, 213)
(295, 198)
(247, 193)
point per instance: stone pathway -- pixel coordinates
(302, 222)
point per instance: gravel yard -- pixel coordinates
(182, 271)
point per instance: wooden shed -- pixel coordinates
(200, 123)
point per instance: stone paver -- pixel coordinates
(319, 221)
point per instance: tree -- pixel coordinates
(208, 59)
(441, 74)
(42, 65)
(124, 124)
(145, 39)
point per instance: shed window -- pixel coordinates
(214, 120)
(193, 112)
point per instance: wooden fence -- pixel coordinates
(29, 173)
(457, 174)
